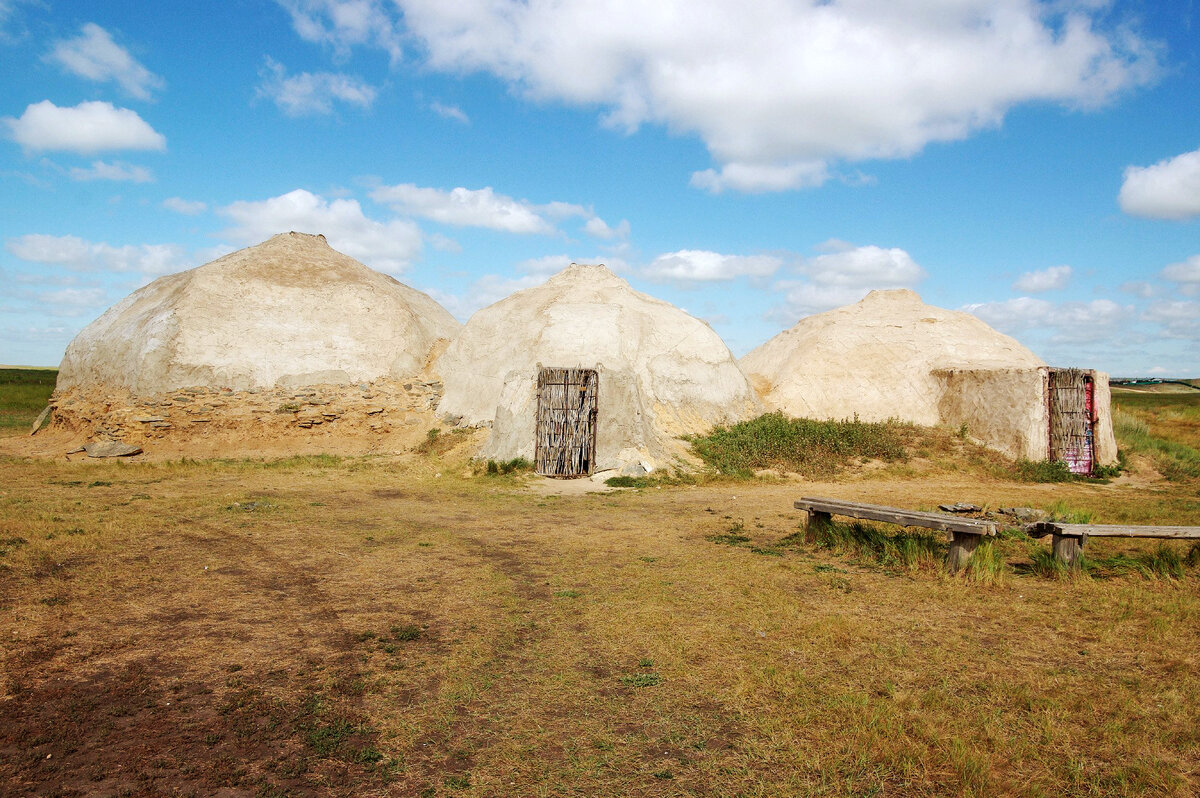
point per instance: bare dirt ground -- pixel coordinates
(400, 626)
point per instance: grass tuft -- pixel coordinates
(518, 465)
(801, 445)
(909, 550)
(641, 679)
(1042, 471)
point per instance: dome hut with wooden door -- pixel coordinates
(584, 374)
(893, 356)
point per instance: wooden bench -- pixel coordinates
(1068, 539)
(965, 532)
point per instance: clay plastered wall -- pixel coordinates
(1105, 441)
(663, 373)
(288, 312)
(1007, 409)
(875, 359)
(1004, 409)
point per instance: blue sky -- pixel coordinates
(1035, 163)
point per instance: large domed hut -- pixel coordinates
(258, 328)
(585, 374)
(893, 356)
(291, 311)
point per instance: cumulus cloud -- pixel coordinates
(486, 290)
(450, 112)
(186, 207)
(1051, 279)
(87, 128)
(694, 265)
(484, 207)
(752, 178)
(77, 254)
(1179, 318)
(93, 55)
(345, 24)
(598, 228)
(389, 246)
(1069, 322)
(780, 91)
(311, 92)
(464, 207)
(842, 274)
(117, 170)
(1186, 274)
(1169, 189)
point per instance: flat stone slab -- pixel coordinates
(37, 425)
(110, 449)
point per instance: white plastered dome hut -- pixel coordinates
(651, 372)
(893, 356)
(289, 312)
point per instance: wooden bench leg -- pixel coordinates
(961, 546)
(816, 522)
(1068, 550)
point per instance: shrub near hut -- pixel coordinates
(803, 445)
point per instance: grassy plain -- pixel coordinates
(415, 626)
(23, 394)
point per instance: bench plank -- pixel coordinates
(1043, 528)
(893, 515)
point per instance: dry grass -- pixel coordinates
(353, 626)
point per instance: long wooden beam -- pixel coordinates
(893, 515)
(1042, 528)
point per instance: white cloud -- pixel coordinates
(1186, 274)
(464, 207)
(345, 24)
(483, 207)
(598, 228)
(450, 112)
(77, 254)
(1070, 322)
(186, 207)
(311, 92)
(117, 170)
(88, 128)
(93, 55)
(72, 301)
(1179, 318)
(443, 243)
(753, 178)
(779, 91)
(1138, 288)
(1169, 189)
(1051, 279)
(389, 246)
(484, 291)
(843, 274)
(694, 265)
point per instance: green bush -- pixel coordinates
(1043, 471)
(801, 445)
(503, 467)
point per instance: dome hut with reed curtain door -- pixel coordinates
(893, 356)
(584, 374)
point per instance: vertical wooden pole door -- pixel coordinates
(566, 422)
(1072, 415)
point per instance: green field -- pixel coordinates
(23, 395)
